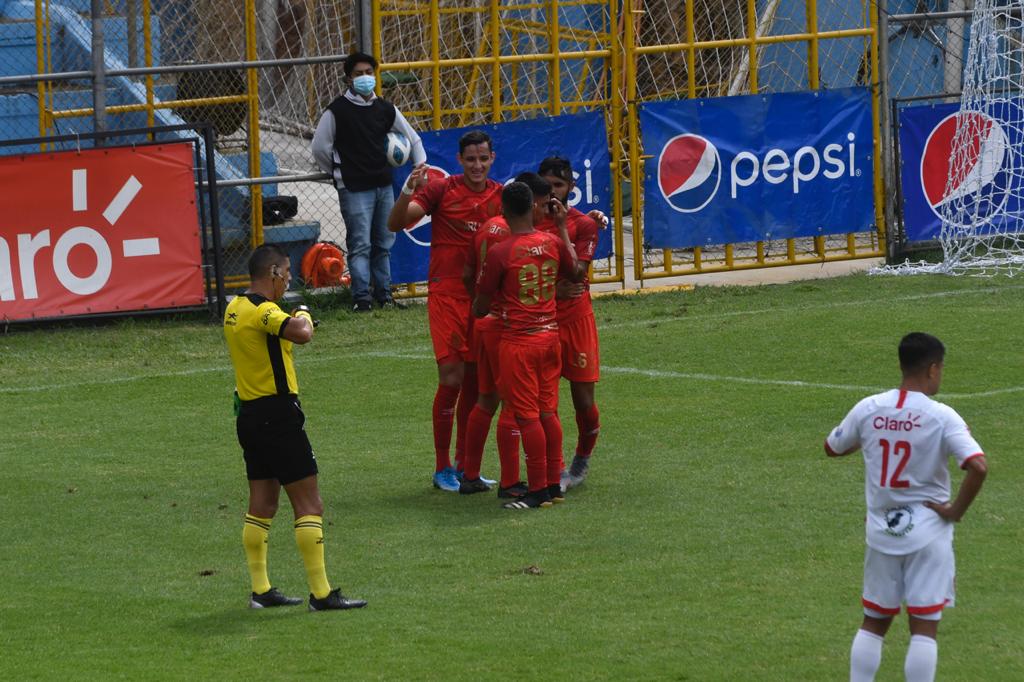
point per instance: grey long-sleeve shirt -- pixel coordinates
(323, 139)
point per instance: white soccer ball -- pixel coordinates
(397, 149)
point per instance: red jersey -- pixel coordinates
(583, 235)
(492, 233)
(524, 268)
(455, 213)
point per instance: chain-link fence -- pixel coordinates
(715, 48)
(263, 117)
(262, 71)
(462, 63)
(924, 47)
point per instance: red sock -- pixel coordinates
(535, 445)
(589, 426)
(508, 448)
(444, 415)
(467, 401)
(553, 435)
(477, 426)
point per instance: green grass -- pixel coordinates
(713, 540)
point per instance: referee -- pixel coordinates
(270, 430)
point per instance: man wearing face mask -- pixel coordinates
(349, 143)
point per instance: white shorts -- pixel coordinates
(924, 580)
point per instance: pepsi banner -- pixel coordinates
(518, 146)
(988, 190)
(743, 169)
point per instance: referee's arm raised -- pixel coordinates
(299, 328)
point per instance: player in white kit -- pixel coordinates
(907, 439)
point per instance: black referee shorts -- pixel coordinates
(274, 442)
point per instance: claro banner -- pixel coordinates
(99, 231)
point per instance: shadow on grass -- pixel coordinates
(450, 510)
(236, 621)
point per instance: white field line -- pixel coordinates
(803, 308)
(224, 369)
(413, 355)
(635, 371)
(718, 378)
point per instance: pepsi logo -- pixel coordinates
(964, 166)
(433, 173)
(689, 172)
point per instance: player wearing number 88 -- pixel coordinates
(524, 268)
(907, 439)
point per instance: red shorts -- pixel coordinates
(529, 376)
(486, 341)
(449, 327)
(581, 359)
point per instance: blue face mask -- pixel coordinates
(364, 85)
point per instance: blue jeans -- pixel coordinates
(368, 241)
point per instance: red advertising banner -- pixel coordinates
(99, 231)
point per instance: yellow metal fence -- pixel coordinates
(451, 63)
(633, 52)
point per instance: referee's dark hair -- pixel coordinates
(918, 351)
(516, 200)
(538, 185)
(264, 258)
(356, 58)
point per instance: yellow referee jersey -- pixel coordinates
(262, 359)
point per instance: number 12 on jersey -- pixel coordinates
(901, 449)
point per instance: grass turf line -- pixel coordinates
(713, 540)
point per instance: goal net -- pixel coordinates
(982, 205)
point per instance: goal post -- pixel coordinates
(981, 205)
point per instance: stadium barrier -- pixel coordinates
(262, 76)
(126, 225)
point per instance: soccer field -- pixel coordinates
(713, 540)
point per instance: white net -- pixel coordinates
(982, 203)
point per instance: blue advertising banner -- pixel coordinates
(987, 194)
(759, 167)
(518, 146)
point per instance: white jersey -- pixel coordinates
(907, 439)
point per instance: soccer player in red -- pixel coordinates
(486, 339)
(457, 205)
(577, 328)
(524, 268)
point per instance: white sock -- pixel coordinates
(865, 656)
(922, 659)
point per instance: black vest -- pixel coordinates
(360, 134)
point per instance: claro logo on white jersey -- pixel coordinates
(910, 423)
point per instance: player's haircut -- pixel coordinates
(558, 166)
(475, 137)
(918, 351)
(264, 258)
(516, 200)
(538, 185)
(356, 58)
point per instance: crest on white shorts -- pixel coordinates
(899, 521)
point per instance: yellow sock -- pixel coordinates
(254, 538)
(309, 536)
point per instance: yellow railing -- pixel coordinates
(611, 52)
